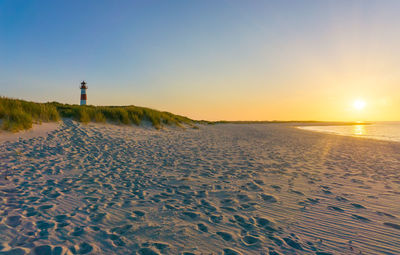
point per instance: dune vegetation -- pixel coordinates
(17, 115)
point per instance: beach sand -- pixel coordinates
(38, 130)
(219, 189)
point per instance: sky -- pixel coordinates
(208, 59)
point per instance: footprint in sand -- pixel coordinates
(61, 220)
(226, 236)
(361, 218)
(392, 225)
(228, 251)
(139, 213)
(43, 225)
(122, 230)
(228, 201)
(30, 211)
(385, 214)
(147, 251)
(17, 251)
(277, 240)
(266, 224)
(323, 253)
(161, 246)
(117, 241)
(32, 199)
(335, 208)
(208, 206)
(239, 219)
(83, 248)
(78, 231)
(242, 222)
(202, 227)
(276, 187)
(243, 197)
(191, 215)
(313, 200)
(253, 186)
(201, 194)
(250, 240)
(246, 207)
(216, 218)
(296, 192)
(293, 243)
(228, 208)
(13, 221)
(169, 207)
(42, 250)
(98, 217)
(328, 192)
(341, 199)
(358, 206)
(261, 182)
(269, 198)
(45, 207)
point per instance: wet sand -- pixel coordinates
(220, 189)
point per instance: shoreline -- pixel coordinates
(332, 132)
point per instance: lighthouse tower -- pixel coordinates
(83, 93)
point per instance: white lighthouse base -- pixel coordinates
(83, 102)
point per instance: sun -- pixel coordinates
(359, 104)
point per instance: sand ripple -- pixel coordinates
(223, 189)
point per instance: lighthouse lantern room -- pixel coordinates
(83, 93)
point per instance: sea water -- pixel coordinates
(389, 131)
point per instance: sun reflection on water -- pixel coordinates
(359, 130)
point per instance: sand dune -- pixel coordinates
(221, 189)
(37, 130)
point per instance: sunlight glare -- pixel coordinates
(359, 104)
(358, 130)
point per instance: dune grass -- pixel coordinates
(18, 115)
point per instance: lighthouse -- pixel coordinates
(83, 93)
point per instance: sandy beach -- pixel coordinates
(219, 189)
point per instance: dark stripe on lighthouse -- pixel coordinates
(83, 96)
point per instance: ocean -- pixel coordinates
(389, 131)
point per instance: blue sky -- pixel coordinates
(206, 59)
